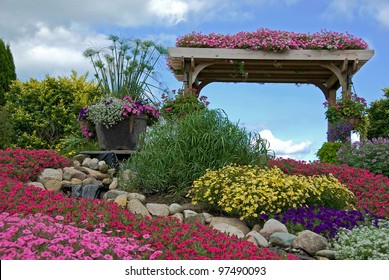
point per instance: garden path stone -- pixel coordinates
(136, 207)
(260, 240)
(282, 239)
(159, 210)
(228, 229)
(234, 222)
(138, 196)
(50, 174)
(310, 242)
(272, 226)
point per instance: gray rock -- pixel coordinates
(228, 229)
(136, 207)
(50, 174)
(76, 163)
(232, 222)
(94, 164)
(36, 185)
(112, 194)
(199, 218)
(71, 172)
(80, 157)
(114, 184)
(189, 213)
(75, 181)
(175, 208)
(94, 173)
(208, 217)
(179, 216)
(86, 162)
(257, 228)
(138, 196)
(260, 240)
(106, 181)
(252, 240)
(159, 210)
(53, 185)
(310, 242)
(329, 254)
(194, 207)
(103, 167)
(121, 200)
(282, 239)
(272, 226)
(90, 181)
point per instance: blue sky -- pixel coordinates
(49, 36)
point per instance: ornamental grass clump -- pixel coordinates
(249, 191)
(174, 154)
(363, 243)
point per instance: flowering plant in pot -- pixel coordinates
(125, 71)
(348, 108)
(123, 114)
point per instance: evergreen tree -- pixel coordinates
(7, 70)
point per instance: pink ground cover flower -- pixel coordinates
(22, 239)
(371, 190)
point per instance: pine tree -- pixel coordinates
(7, 70)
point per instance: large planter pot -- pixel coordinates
(354, 121)
(123, 135)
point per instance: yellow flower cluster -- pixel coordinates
(248, 191)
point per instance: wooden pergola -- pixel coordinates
(328, 70)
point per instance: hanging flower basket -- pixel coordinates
(354, 120)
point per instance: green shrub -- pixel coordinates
(363, 243)
(44, 112)
(248, 191)
(6, 128)
(378, 117)
(327, 152)
(182, 103)
(174, 154)
(367, 154)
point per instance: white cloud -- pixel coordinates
(350, 9)
(286, 148)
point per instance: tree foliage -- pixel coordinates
(7, 69)
(379, 117)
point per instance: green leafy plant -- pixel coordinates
(327, 152)
(127, 67)
(174, 154)
(363, 243)
(181, 103)
(346, 107)
(44, 112)
(6, 129)
(367, 154)
(249, 191)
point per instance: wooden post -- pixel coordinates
(331, 100)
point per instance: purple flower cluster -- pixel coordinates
(340, 131)
(273, 40)
(324, 221)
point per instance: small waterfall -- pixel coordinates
(87, 191)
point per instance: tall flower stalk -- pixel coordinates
(127, 67)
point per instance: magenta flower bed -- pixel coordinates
(273, 41)
(25, 207)
(371, 190)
